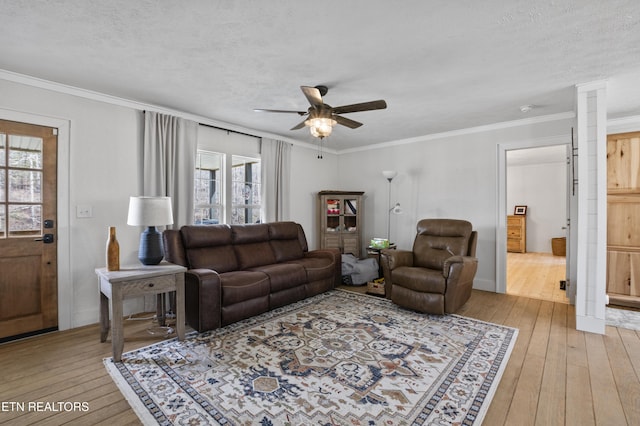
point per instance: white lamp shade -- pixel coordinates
(150, 211)
(389, 174)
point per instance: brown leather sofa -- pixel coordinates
(435, 277)
(238, 271)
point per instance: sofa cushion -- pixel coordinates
(238, 286)
(209, 247)
(219, 259)
(283, 275)
(194, 236)
(250, 233)
(317, 268)
(284, 241)
(251, 245)
(252, 255)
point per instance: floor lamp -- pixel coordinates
(389, 175)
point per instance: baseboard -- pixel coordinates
(590, 324)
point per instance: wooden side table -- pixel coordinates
(136, 281)
(374, 252)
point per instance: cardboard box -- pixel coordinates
(376, 287)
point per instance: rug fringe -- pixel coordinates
(134, 401)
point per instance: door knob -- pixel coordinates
(46, 238)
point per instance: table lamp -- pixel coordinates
(150, 212)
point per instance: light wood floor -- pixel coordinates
(536, 275)
(555, 376)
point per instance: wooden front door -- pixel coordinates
(28, 224)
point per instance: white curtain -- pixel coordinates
(169, 156)
(276, 171)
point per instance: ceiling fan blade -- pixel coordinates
(299, 125)
(364, 106)
(352, 124)
(280, 110)
(313, 95)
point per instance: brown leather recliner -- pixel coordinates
(435, 277)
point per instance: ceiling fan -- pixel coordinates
(322, 117)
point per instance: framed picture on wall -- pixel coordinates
(520, 210)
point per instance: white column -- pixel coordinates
(591, 117)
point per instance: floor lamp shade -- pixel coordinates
(150, 212)
(389, 174)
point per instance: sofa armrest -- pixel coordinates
(336, 258)
(332, 253)
(203, 296)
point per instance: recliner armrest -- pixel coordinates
(395, 258)
(391, 259)
(455, 265)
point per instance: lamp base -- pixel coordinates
(151, 250)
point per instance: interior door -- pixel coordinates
(28, 238)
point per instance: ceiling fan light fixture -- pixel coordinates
(320, 127)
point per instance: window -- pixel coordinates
(21, 173)
(208, 186)
(245, 190)
(227, 195)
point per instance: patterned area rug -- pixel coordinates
(339, 358)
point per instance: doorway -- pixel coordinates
(28, 221)
(535, 185)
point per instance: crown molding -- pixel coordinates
(623, 124)
(141, 106)
(467, 131)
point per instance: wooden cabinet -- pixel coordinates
(517, 233)
(623, 219)
(340, 220)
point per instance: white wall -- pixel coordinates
(542, 188)
(451, 176)
(309, 175)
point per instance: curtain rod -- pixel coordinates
(144, 111)
(226, 130)
(235, 131)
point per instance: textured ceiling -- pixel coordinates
(440, 65)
